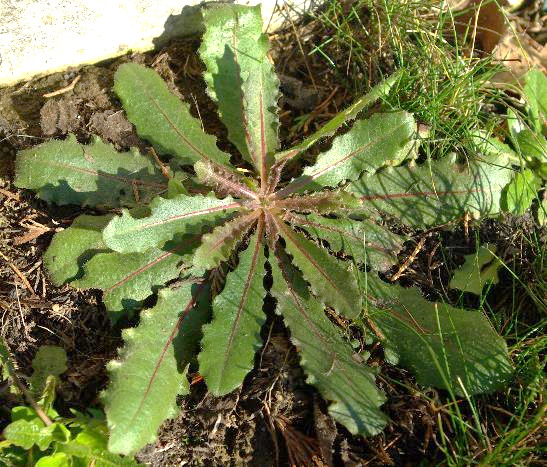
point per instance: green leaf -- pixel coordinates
(326, 357)
(365, 241)
(27, 433)
(242, 81)
(50, 360)
(383, 139)
(150, 372)
(535, 91)
(72, 247)
(218, 245)
(91, 448)
(48, 393)
(443, 346)
(496, 151)
(67, 172)
(127, 279)
(329, 128)
(531, 145)
(330, 278)
(59, 459)
(11, 455)
(179, 215)
(261, 91)
(542, 212)
(521, 191)
(479, 269)
(162, 118)
(231, 339)
(24, 413)
(434, 192)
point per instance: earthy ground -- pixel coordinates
(275, 415)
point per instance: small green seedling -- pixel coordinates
(219, 237)
(479, 269)
(38, 435)
(527, 150)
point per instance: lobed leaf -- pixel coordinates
(523, 188)
(231, 339)
(96, 456)
(81, 448)
(71, 248)
(95, 174)
(218, 245)
(383, 139)
(365, 241)
(535, 91)
(443, 346)
(478, 269)
(326, 357)
(435, 192)
(27, 433)
(127, 279)
(494, 149)
(330, 278)
(151, 372)
(242, 81)
(179, 215)
(162, 118)
(531, 145)
(49, 360)
(329, 128)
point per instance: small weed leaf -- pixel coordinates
(521, 191)
(338, 121)
(362, 150)
(443, 346)
(535, 91)
(180, 215)
(134, 277)
(81, 440)
(479, 269)
(50, 360)
(312, 236)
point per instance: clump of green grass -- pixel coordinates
(445, 89)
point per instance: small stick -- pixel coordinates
(9, 194)
(21, 276)
(161, 165)
(466, 219)
(70, 87)
(301, 49)
(409, 260)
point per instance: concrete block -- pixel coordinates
(39, 37)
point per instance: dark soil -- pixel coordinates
(275, 415)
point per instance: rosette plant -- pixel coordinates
(314, 244)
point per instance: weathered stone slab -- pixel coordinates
(44, 36)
